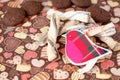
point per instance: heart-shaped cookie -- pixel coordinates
(115, 20)
(106, 7)
(52, 65)
(20, 50)
(11, 43)
(106, 64)
(112, 3)
(32, 46)
(40, 21)
(60, 74)
(41, 76)
(37, 63)
(7, 55)
(29, 54)
(115, 71)
(25, 76)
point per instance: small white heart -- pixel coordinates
(115, 20)
(37, 63)
(115, 71)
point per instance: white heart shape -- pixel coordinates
(37, 63)
(115, 20)
(112, 3)
(115, 71)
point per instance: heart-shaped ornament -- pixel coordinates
(37, 63)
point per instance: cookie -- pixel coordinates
(82, 3)
(32, 7)
(13, 16)
(99, 14)
(61, 3)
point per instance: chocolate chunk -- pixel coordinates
(32, 7)
(61, 3)
(13, 16)
(99, 14)
(82, 3)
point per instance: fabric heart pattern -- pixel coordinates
(52, 65)
(7, 55)
(29, 54)
(40, 21)
(106, 64)
(60, 74)
(25, 76)
(37, 63)
(115, 71)
(11, 43)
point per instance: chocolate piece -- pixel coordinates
(99, 14)
(32, 7)
(82, 3)
(40, 21)
(61, 3)
(13, 16)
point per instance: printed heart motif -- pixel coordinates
(115, 20)
(52, 65)
(17, 59)
(20, 35)
(40, 21)
(115, 71)
(15, 78)
(77, 76)
(80, 49)
(32, 46)
(37, 63)
(117, 12)
(11, 43)
(4, 75)
(15, 4)
(32, 30)
(2, 67)
(112, 3)
(1, 39)
(25, 76)
(10, 34)
(7, 55)
(41, 76)
(29, 54)
(20, 50)
(23, 67)
(106, 7)
(60, 74)
(106, 64)
(94, 70)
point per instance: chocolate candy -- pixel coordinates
(61, 3)
(32, 7)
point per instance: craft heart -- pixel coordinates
(106, 64)
(112, 3)
(7, 55)
(60, 74)
(32, 30)
(52, 65)
(20, 50)
(115, 20)
(25, 76)
(32, 46)
(29, 54)
(11, 43)
(115, 71)
(37, 63)
(40, 21)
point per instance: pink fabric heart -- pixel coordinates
(25, 76)
(7, 55)
(32, 30)
(29, 54)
